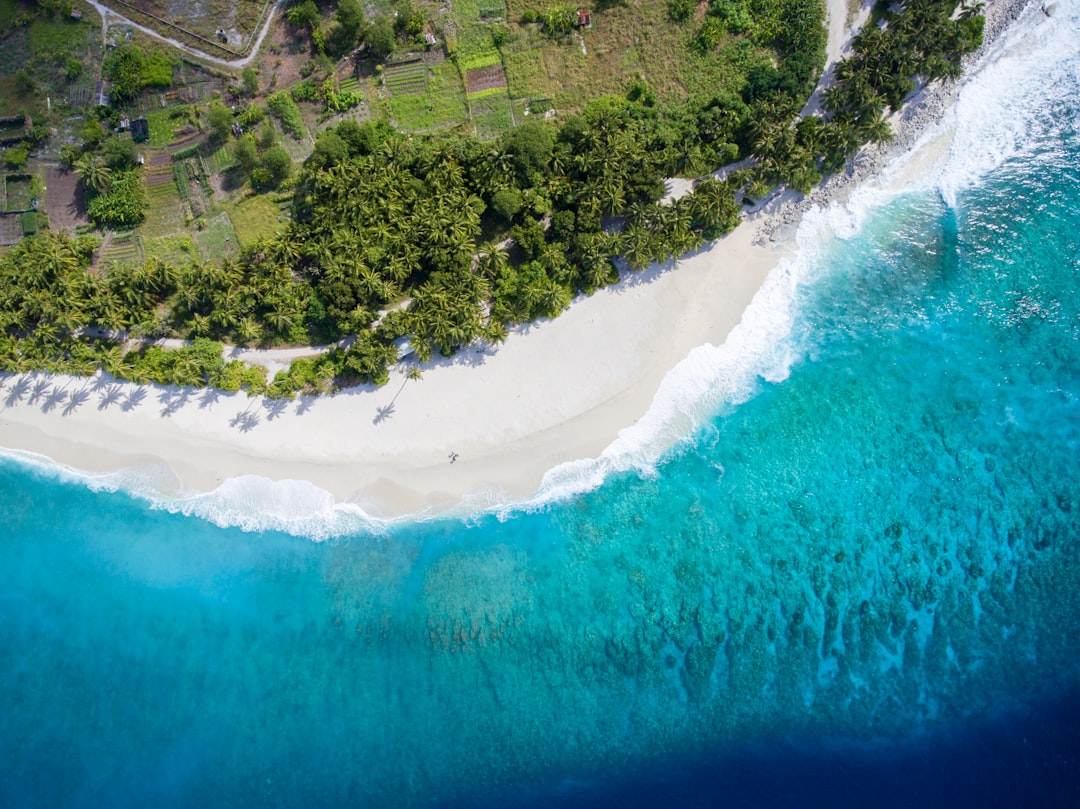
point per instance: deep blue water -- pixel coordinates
(859, 587)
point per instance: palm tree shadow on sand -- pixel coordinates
(110, 396)
(387, 410)
(77, 400)
(134, 399)
(17, 393)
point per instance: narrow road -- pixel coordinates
(836, 20)
(242, 61)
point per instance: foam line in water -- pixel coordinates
(1010, 93)
(248, 502)
(1001, 101)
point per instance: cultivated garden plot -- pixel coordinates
(11, 229)
(121, 248)
(442, 105)
(65, 198)
(491, 113)
(485, 78)
(18, 193)
(407, 77)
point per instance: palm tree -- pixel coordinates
(93, 172)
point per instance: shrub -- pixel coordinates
(680, 10)
(15, 158)
(283, 107)
(123, 205)
(506, 203)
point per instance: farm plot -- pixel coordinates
(121, 248)
(80, 94)
(167, 213)
(485, 78)
(10, 228)
(191, 180)
(178, 248)
(443, 104)
(19, 193)
(237, 19)
(257, 217)
(217, 240)
(491, 113)
(406, 77)
(526, 74)
(65, 199)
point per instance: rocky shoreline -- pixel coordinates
(926, 107)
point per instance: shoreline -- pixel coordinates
(481, 429)
(555, 392)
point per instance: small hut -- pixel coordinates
(584, 19)
(140, 130)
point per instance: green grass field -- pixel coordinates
(12, 102)
(8, 11)
(217, 240)
(61, 36)
(526, 74)
(624, 42)
(19, 192)
(255, 217)
(490, 113)
(178, 248)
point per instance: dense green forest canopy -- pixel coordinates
(440, 241)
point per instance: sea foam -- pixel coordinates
(1001, 100)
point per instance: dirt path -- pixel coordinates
(840, 34)
(188, 49)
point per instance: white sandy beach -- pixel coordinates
(556, 391)
(484, 426)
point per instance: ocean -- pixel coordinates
(855, 582)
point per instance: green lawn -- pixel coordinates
(255, 217)
(60, 36)
(217, 240)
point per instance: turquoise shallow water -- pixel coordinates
(878, 553)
